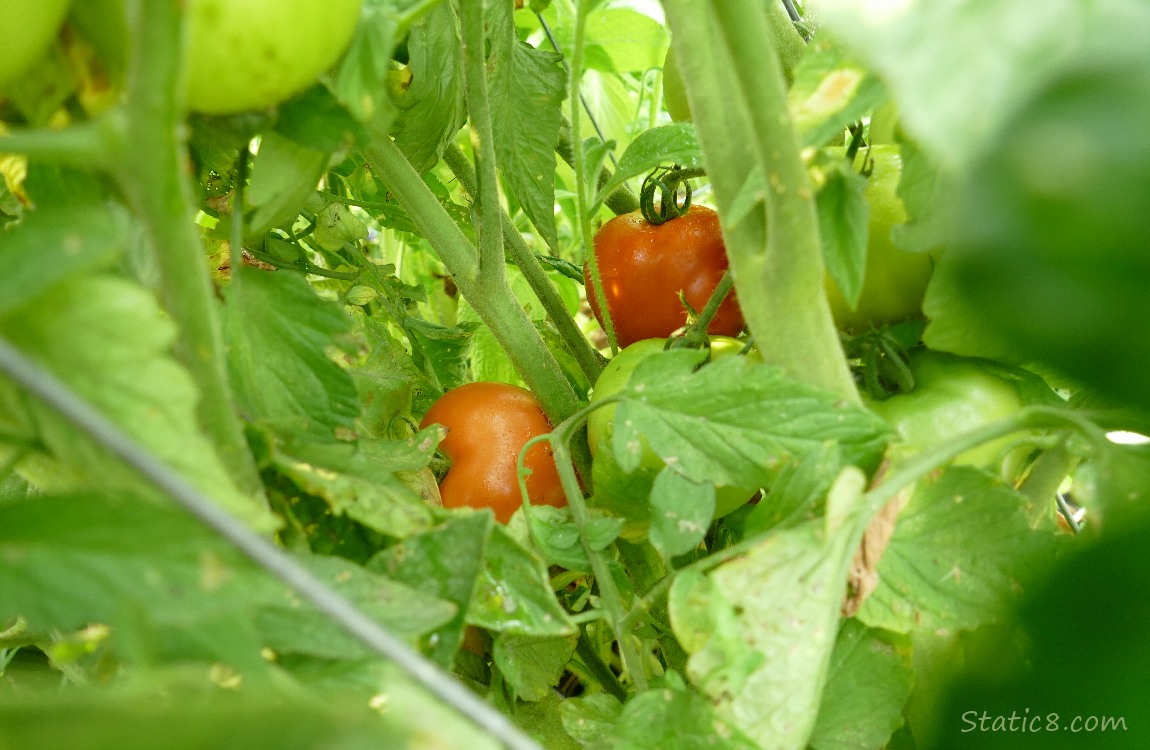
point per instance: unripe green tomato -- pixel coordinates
(26, 29)
(251, 54)
(894, 281)
(953, 395)
(616, 375)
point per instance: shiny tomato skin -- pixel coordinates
(644, 267)
(487, 426)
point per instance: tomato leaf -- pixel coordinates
(434, 108)
(532, 666)
(669, 144)
(446, 562)
(954, 109)
(108, 340)
(279, 333)
(526, 87)
(284, 175)
(670, 715)
(360, 479)
(743, 420)
(514, 593)
(71, 560)
(763, 664)
(962, 550)
(868, 683)
(54, 242)
(843, 227)
(681, 511)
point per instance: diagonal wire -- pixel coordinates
(60, 397)
(582, 99)
(792, 11)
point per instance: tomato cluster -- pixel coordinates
(645, 267)
(487, 426)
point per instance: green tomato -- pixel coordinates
(251, 54)
(953, 395)
(28, 27)
(616, 375)
(894, 281)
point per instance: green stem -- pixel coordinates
(598, 669)
(84, 144)
(736, 86)
(492, 298)
(590, 361)
(151, 133)
(600, 564)
(621, 200)
(582, 194)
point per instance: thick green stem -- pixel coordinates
(493, 299)
(735, 83)
(590, 361)
(150, 132)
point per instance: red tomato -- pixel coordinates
(644, 268)
(487, 426)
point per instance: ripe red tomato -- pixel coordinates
(644, 267)
(487, 426)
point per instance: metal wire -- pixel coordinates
(792, 11)
(45, 386)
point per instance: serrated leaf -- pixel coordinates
(668, 144)
(278, 334)
(733, 423)
(868, 683)
(526, 88)
(362, 480)
(284, 175)
(963, 548)
(843, 227)
(514, 592)
(557, 537)
(446, 562)
(55, 241)
(669, 716)
(290, 625)
(70, 560)
(798, 492)
(532, 666)
(317, 120)
(434, 109)
(761, 628)
(681, 512)
(361, 83)
(108, 340)
(590, 718)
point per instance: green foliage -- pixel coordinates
(861, 596)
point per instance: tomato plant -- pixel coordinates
(211, 482)
(255, 53)
(894, 280)
(487, 426)
(645, 267)
(616, 375)
(28, 28)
